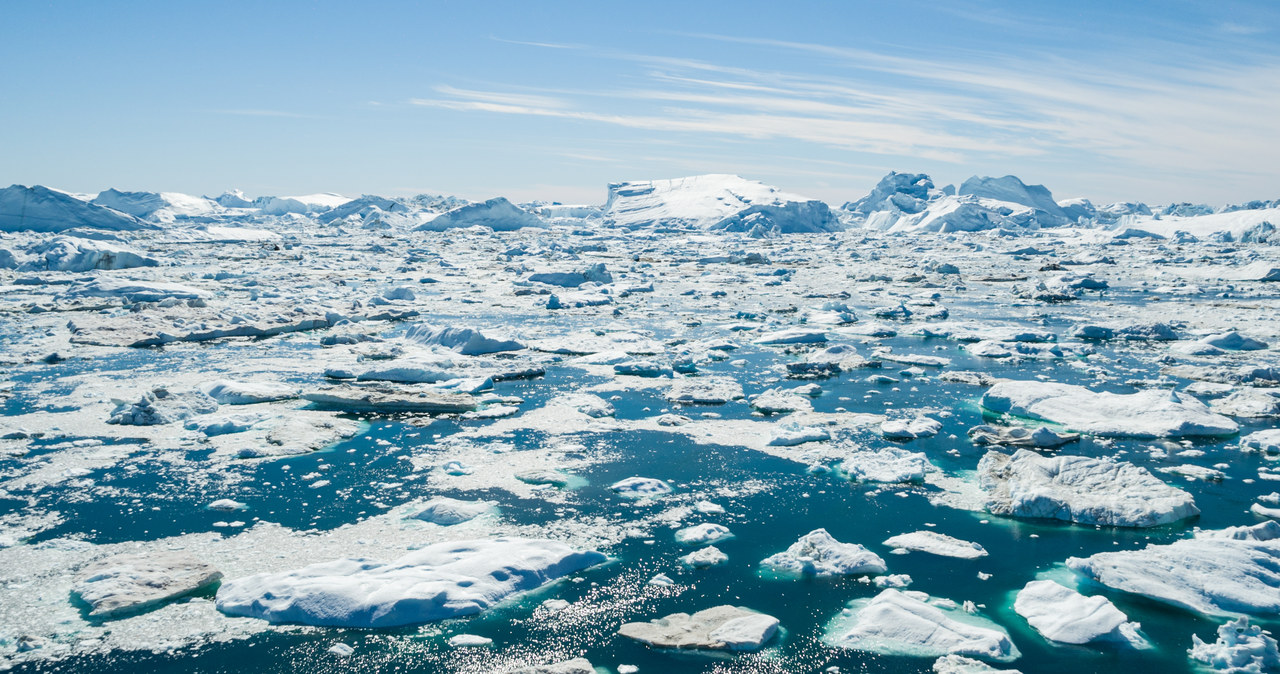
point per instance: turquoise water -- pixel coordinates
(157, 497)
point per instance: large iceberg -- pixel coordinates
(497, 214)
(445, 580)
(1079, 489)
(1222, 572)
(1145, 414)
(41, 209)
(157, 206)
(716, 203)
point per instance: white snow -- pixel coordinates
(889, 465)
(1240, 647)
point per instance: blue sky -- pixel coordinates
(1151, 101)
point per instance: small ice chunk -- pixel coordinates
(447, 511)
(640, 487)
(818, 553)
(702, 534)
(719, 628)
(1240, 647)
(937, 544)
(888, 465)
(705, 557)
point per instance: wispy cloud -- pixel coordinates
(1163, 118)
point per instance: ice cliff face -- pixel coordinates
(715, 202)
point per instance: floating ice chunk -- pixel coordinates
(790, 435)
(958, 664)
(1266, 441)
(574, 666)
(702, 534)
(704, 391)
(818, 553)
(1250, 403)
(584, 403)
(1061, 614)
(160, 406)
(903, 429)
(1017, 436)
(641, 487)
(133, 583)
(1146, 414)
(719, 628)
(469, 641)
(937, 544)
(466, 341)
(1234, 341)
(643, 368)
(228, 392)
(226, 505)
(888, 465)
(414, 370)
(444, 580)
(792, 336)
(1240, 647)
(779, 401)
(1079, 489)
(342, 650)
(715, 202)
(449, 511)
(705, 557)
(897, 624)
(547, 476)
(892, 580)
(594, 274)
(1220, 572)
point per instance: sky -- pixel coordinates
(1114, 101)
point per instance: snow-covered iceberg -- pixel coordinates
(1079, 489)
(497, 214)
(40, 209)
(1220, 572)
(444, 580)
(715, 202)
(900, 623)
(1145, 414)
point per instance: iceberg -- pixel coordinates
(1220, 572)
(497, 214)
(1145, 414)
(440, 581)
(715, 203)
(1079, 489)
(727, 628)
(1061, 614)
(40, 209)
(818, 553)
(900, 623)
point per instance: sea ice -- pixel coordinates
(889, 465)
(448, 511)
(1240, 647)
